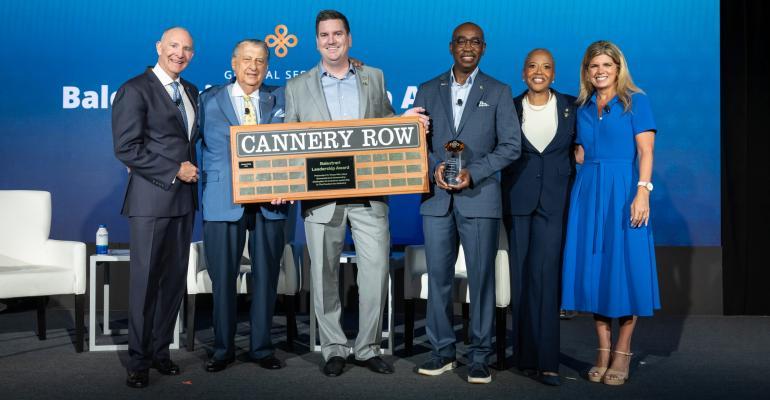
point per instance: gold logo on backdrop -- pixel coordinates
(281, 41)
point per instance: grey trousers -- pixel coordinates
(371, 235)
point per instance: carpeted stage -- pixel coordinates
(695, 357)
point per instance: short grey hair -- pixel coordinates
(256, 42)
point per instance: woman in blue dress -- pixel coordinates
(609, 254)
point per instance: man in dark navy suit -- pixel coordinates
(244, 102)
(153, 130)
(469, 106)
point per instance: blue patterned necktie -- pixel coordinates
(177, 97)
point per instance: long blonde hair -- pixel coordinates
(624, 85)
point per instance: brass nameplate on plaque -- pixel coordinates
(330, 159)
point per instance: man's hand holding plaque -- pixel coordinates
(421, 114)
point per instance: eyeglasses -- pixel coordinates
(461, 42)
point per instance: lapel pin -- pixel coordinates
(566, 112)
(481, 87)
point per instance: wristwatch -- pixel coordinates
(646, 185)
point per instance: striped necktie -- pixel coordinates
(249, 114)
(177, 97)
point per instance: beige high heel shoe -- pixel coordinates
(615, 377)
(596, 373)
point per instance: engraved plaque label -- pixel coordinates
(331, 173)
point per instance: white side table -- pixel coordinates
(107, 261)
(349, 258)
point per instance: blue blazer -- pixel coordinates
(149, 137)
(545, 177)
(491, 133)
(217, 114)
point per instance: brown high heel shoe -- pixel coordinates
(596, 373)
(614, 377)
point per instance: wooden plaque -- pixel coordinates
(330, 159)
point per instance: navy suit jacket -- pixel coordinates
(491, 133)
(149, 137)
(217, 114)
(542, 178)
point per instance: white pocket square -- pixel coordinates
(279, 113)
(483, 103)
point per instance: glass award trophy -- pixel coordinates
(453, 162)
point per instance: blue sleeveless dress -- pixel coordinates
(609, 267)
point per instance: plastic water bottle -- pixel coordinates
(102, 240)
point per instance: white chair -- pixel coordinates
(199, 282)
(31, 264)
(416, 287)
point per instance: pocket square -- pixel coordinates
(279, 113)
(483, 103)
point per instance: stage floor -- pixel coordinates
(675, 358)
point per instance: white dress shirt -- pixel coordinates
(188, 106)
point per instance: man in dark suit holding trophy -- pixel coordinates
(475, 135)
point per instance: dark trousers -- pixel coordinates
(535, 243)
(479, 237)
(160, 248)
(224, 242)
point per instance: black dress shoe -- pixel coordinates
(216, 365)
(550, 380)
(375, 364)
(166, 367)
(335, 366)
(269, 362)
(138, 379)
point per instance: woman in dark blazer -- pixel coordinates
(535, 197)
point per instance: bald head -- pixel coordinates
(468, 25)
(174, 30)
(175, 50)
(538, 51)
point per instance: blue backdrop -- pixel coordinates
(63, 61)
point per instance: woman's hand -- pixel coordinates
(579, 154)
(640, 208)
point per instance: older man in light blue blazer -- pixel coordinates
(245, 102)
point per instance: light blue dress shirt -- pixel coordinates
(460, 92)
(341, 94)
(236, 98)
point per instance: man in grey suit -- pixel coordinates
(335, 90)
(154, 127)
(468, 106)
